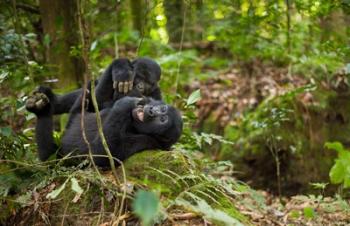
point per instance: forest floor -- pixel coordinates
(236, 91)
(226, 98)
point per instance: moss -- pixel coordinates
(160, 169)
(173, 174)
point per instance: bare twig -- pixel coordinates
(180, 50)
(84, 41)
(184, 216)
(27, 7)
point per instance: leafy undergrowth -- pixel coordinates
(59, 194)
(277, 124)
(184, 190)
(303, 210)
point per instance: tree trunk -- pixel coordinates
(174, 11)
(288, 32)
(61, 32)
(137, 8)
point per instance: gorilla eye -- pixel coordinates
(163, 118)
(164, 109)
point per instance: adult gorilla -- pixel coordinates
(131, 125)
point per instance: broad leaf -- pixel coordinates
(56, 192)
(146, 206)
(194, 97)
(75, 186)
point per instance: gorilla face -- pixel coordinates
(145, 83)
(147, 74)
(155, 117)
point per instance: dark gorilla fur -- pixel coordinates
(131, 125)
(144, 73)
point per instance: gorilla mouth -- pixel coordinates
(138, 113)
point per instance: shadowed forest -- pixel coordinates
(263, 91)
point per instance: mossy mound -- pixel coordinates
(76, 196)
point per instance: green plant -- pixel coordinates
(340, 171)
(146, 205)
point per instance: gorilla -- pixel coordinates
(145, 75)
(121, 78)
(130, 125)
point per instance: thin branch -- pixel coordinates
(85, 41)
(28, 8)
(85, 77)
(143, 29)
(180, 50)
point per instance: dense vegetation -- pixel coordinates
(263, 87)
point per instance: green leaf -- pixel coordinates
(146, 206)
(334, 145)
(47, 40)
(309, 212)
(24, 199)
(56, 192)
(93, 45)
(319, 185)
(75, 186)
(294, 214)
(340, 172)
(201, 207)
(194, 97)
(347, 68)
(6, 131)
(337, 172)
(347, 181)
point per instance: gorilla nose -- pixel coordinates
(151, 111)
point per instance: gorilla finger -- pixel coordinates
(115, 85)
(126, 87)
(120, 87)
(130, 85)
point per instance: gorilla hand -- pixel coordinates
(128, 103)
(122, 76)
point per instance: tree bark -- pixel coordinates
(137, 14)
(174, 14)
(60, 25)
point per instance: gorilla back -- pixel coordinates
(130, 126)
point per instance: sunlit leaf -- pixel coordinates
(337, 173)
(56, 192)
(75, 186)
(309, 212)
(93, 45)
(194, 97)
(201, 207)
(334, 145)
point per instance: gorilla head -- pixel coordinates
(155, 118)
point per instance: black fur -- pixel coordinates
(125, 132)
(144, 72)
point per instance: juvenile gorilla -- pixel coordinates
(143, 80)
(121, 78)
(131, 125)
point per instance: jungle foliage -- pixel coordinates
(263, 87)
